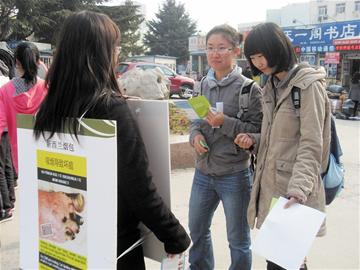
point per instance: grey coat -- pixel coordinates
(224, 156)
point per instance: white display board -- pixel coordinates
(68, 197)
(152, 117)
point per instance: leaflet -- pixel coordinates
(194, 108)
(286, 235)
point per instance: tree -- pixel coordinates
(19, 19)
(10, 25)
(7, 9)
(169, 33)
(129, 20)
(53, 13)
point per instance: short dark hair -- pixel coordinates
(228, 32)
(269, 40)
(28, 55)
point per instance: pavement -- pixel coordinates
(338, 250)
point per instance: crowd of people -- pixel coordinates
(288, 141)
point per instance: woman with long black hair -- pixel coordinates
(82, 82)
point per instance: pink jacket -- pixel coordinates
(25, 103)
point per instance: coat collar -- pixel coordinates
(232, 76)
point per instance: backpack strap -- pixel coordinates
(296, 99)
(201, 84)
(333, 141)
(244, 96)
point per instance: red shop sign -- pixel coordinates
(347, 48)
(332, 58)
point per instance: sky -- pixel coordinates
(208, 13)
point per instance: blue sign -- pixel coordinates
(319, 37)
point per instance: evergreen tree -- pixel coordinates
(53, 13)
(16, 18)
(43, 18)
(7, 11)
(129, 20)
(169, 33)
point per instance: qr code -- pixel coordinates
(46, 229)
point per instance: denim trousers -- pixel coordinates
(234, 193)
(7, 193)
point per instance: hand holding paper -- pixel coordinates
(201, 105)
(215, 119)
(200, 144)
(176, 262)
(286, 235)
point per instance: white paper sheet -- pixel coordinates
(178, 262)
(286, 235)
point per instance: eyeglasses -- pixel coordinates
(221, 50)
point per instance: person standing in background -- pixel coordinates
(354, 93)
(7, 191)
(23, 94)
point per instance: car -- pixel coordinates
(180, 85)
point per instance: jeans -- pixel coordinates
(7, 193)
(234, 193)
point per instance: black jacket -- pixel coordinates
(138, 199)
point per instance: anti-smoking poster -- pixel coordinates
(68, 197)
(68, 190)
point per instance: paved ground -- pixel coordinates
(338, 250)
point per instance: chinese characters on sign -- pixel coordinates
(60, 163)
(320, 37)
(53, 144)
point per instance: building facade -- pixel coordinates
(325, 33)
(198, 65)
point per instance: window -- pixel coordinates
(322, 11)
(167, 71)
(357, 6)
(122, 68)
(145, 67)
(340, 8)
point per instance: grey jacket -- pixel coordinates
(224, 157)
